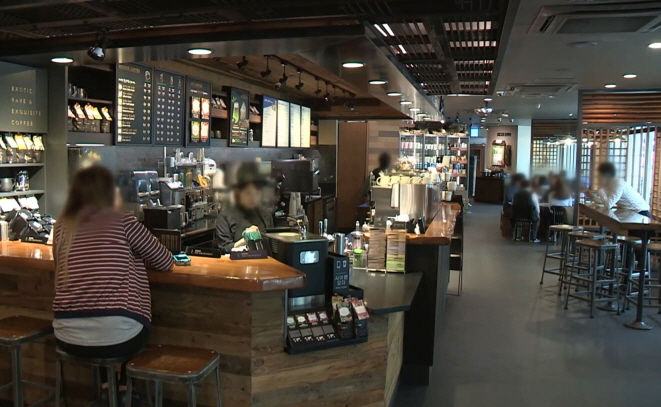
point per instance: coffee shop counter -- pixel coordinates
(233, 307)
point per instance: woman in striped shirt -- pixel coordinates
(102, 302)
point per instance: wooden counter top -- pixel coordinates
(440, 231)
(619, 221)
(223, 274)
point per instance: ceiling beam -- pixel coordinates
(10, 5)
(436, 32)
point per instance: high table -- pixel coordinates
(621, 222)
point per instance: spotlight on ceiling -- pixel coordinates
(98, 51)
(283, 81)
(242, 64)
(405, 102)
(300, 84)
(655, 45)
(629, 76)
(610, 86)
(353, 64)
(327, 96)
(378, 82)
(352, 106)
(414, 109)
(488, 99)
(265, 73)
(318, 91)
(200, 51)
(394, 93)
(61, 60)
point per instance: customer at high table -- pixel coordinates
(525, 206)
(617, 192)
(246, 214)
(102, 302)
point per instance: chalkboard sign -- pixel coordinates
(239, 117)
(23, 99)
(134, 88)
(198, 101)
(169, 108)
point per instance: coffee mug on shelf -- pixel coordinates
(383, 181)
(395, 179)
(404, 179)
(7, 184)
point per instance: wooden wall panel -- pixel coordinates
(351, 171)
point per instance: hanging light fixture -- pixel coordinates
(242, 64)
(327, 95)
(318, 91)
(265, 73)
(300, 83)
(98, 51)
(283, 80)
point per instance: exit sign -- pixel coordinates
(504, 134)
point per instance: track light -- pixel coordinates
(265, 73)
(352, 106)
(242, 64)
(283, 81)
(318, 91)
(98, 51)
(300, 83)
(327, 96)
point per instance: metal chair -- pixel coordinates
(595, 282)
(522, 224)
(175, 365)
(109, 364)
(650, 282)
(562, 255)
(14, 333)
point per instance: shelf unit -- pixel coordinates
(91, 101)
(22, 193)
(427, 150)
(21, 165)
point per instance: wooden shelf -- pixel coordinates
(255, 118)
(87, 100)
(458, 148)
(218, 113)
(81, 137)
(22, 193)
(21, 165)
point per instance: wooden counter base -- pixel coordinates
(246, 328)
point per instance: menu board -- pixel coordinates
(169, 108)
(269, 121)
(239, 114)
(306, 124)
(294, 125)
(134, 104)
(283, 123)
(198, 100)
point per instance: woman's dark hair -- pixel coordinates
(524, 183)
(560, 189)
(384, 160)
(607, 169)
(518, 178)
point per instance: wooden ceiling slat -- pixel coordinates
(621, 107)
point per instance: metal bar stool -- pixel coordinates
(176, 365)
(590, 282)
(109, 365)
(650, 283)
(562, 255)
(521, 225)
(571, 253)
(14, 333)
(628, 270)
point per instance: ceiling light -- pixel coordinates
(388, 29)
(405, 102)
(378, 82)
(610, 85)
(265, 73)
(394, 93)
(300, 84)
(655, 45)
(200, 51)
(582, 44)
(98, 51)
(353, 64)
(571, 114)
(629, 75)
(378, 27)
(415, 109)
(283, 81)
(401, 48)
(242, 64)
(505, 114)
(318, 91)
(488, 99)
(61, 60)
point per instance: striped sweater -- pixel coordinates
(106, 273)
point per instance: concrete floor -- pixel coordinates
(507, 341)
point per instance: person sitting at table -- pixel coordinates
(511, 190)
(617, 192)
(525, 206)
(560, 194)
(246, 214)
(102, 303)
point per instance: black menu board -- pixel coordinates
(134, 104)
(198, 101)
(239, 115)
(169, 108)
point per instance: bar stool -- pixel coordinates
(563, 254)
(571, 253)
(650, 283)
(520, 225)
(175, 365)
(14, 333)
(109, 364)
(628, 270)
(595, 276)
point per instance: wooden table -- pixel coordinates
(621, 222)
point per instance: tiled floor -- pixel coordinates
(508, 341)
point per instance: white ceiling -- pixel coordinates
(547, 58)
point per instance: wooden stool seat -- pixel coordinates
(173, 363)
(596, 244)
(629, 239)
(584, 234)
(565, 228)
(17, 330)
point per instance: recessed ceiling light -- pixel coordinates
(655, 45)
(571, 114)
(582, 44)
(394, 93)
(62, 60)
(387, 27)
(402, 49)
(629, 75)
(405, 102)
(354, 64)
(488, 99)
(378, 82)
(415, 109)
(200, 51)
(378, 27)
(610, 85)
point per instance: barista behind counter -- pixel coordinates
(246, 211)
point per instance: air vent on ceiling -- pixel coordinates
(598, 19)
(537, 90)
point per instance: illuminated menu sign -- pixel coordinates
(269, 121)
(169, 108)
(306, 124)
(23, 99)
(283, 123)
(294, 125)
(134, 104)
(239, 117)
(198, 99)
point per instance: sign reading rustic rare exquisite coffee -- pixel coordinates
(23, 99)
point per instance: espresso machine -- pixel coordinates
(139, 190)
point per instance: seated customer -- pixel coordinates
(525, 206)
(512, 188)
(102, 302)
(559, 193)
(616, 192)
(246, 213)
